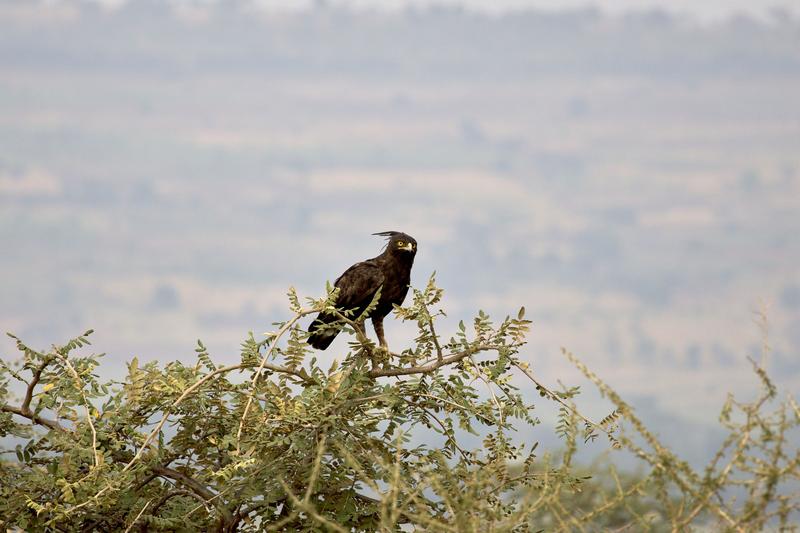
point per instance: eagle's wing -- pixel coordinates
(357, 287)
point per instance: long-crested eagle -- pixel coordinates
(390, 272)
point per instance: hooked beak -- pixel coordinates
(409, 247)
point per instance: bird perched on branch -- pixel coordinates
(390, 272)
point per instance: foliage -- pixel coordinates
(377, 441)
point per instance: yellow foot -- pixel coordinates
(384, 355)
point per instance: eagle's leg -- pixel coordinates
(362, 332)
(377, 323)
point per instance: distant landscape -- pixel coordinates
(167, 173)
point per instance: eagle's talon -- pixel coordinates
(381, 356)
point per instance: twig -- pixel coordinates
(127, 529)
(315, 470)
(86, 405)
(723, 476)
(479, 372)
(439, 355)
(300, 314)
(553, 396)
(438, 399)
(463, 453)
(307, 507)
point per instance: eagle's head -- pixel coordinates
(399, 242)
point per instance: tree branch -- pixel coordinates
(197, 487)
(168, 496)
(33, 417)
(425, 369)
(37, 375)
(199, 491)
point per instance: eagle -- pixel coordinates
(390, 272)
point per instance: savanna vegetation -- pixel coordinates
(431, 438)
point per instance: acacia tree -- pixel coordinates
(278, 442)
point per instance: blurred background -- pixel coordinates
(628, 173)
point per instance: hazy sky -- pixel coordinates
(704, 10)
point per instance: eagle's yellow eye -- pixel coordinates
(400, 243)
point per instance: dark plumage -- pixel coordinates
(357, 286)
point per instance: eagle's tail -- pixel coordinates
(323, 331)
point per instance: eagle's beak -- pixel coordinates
(409, 247)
